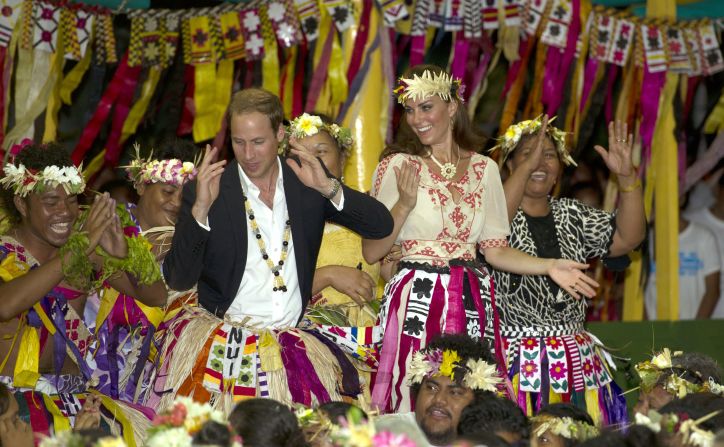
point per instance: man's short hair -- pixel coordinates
(492, 414)
(259, 100)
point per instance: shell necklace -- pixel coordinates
(447, 170)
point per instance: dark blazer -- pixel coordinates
(215, 260)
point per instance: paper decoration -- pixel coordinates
(556, 31)
(654, 48)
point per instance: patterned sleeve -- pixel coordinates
(598, 229)
(496, 228)
(384, 181)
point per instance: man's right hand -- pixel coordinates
(207, 183)
(100, 216)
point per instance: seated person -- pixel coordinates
(494, 415)
(266, 423)
(561, 425)
(452, 372)
(667, 376)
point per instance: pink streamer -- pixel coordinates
(462, 47)
(610, 81)
(555, 95)
(417, 50)
(455, 318)
(589, 77)
(651, 88)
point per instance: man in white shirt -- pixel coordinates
(248, 234)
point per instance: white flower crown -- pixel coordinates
(478, 374)
(512, 135)
(564, 427)
(24, 180)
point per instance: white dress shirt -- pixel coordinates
(256, 302)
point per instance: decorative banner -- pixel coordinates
(697, 61)
(284, 22)
(309, 16)
(251, 30)
(489, 13)
(604, 30)
(453, 15)
(77, 32)
(556, 32)
(654, 48)
(621, 45)
(679, 59)
(9, 13)
(342, 13)
(232, 35)
(199, 40)
(46, 23)
(393, 10)
(437, 14)
(512, 12)
(712, 61)
(533, 14)
(105, 40)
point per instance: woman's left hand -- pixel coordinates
(618, 157)
(571, 276)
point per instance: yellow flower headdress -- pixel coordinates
(423, 86)
(477, 374)
(679, 424)
(150, 170)
(24, 180)
(565, 427)
(512, 135)
(306, 125)
(676, 383)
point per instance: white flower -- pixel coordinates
(652, 421)
(482, 376)
(715, 387)
(173, 437)
(306, 125)
(663, 360)
(419, 368)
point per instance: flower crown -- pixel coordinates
(650, 371)
(423, 86)
(150, 170)
(355, 431)
(564, 427)
(477, 374)
(177, 425)
(678, 424)
(24, 180)
(511, 138)
(306, 125)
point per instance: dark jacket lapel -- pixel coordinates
(231, 194)
(292, 192)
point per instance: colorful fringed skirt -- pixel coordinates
(222, 362)
(562, 364)
(420, 302)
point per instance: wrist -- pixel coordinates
(626, 185)
(199, 212)
(332, 189)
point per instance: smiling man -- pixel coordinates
(452, 372)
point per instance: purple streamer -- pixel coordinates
(350, 376)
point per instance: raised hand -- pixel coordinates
(112, 240)
(532, 161)
(354, 283)
(207, 183)
(99, 218)
(408, 179)
(90, 415)
(570, 276)
(309, 170)
(618, 157)
(16, 432)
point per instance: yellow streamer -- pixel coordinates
(204, 92)
(141, 105)
(289, 73)
(60, 421)
(95, 165)
(72, 80)
(51, 112)
(224, 81)
(27, 364)
(270, 353)
(592, 406)
(715, 121)
(118, 415)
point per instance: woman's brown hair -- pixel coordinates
(464, 134)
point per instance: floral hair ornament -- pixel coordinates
(178, 425)
(511, 137)
(150, 170)
(679, 424)
(69, 438)
(675, 383)
(565, 427)
(306, 125)
(476, 374)
(356, 431)
(24, 180)
(428, 84)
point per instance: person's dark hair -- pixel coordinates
(464, 133)
(564, 410)
(37, 157)
(641, 436)
(178, 148)
(586, 186)
(486, 439)
(89, 437)
(340, 410)
(606, 439)
(694, 367)
(259, 100)
(698, 405)
(213, 433)
(467, 348)
(492, 414)
(266, 423)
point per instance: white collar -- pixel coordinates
(250, 188)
